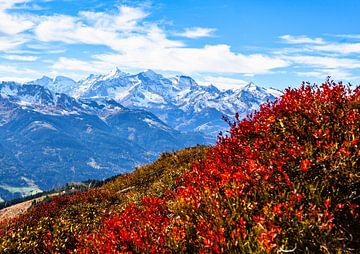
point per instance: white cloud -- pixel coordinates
(70, 30)
(134, 42)
(315, 74)
(16, 79)
(349, 36)
(20, 58)
(96, 28)
(210, 58)
(13, 73)
(301, 39)
(7, 4)
(339, 74)
(126, 20)
(29, 6)
(9, 43)
(74, 30)
(324, 62)
(12, 24)
(341, 48)
(223, 82)
(320, 45)
(197, 32)
(145, 45)
(39, 47)
(69, 64)
(249, 75)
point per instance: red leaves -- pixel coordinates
(286, 176)
(248, 189)
(136, 229)
(305, 165)
(327, 203)
(355, 142)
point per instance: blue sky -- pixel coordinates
(275, 43)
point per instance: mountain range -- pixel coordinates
(179, 101)
(55, 131)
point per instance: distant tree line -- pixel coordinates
(68, 188)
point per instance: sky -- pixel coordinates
(277, 43)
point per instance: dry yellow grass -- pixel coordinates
(14, 211)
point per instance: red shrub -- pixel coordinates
(283, 178)
(136, 229)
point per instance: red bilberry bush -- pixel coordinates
(285, 179)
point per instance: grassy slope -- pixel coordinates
(286, 179)
(71, 214)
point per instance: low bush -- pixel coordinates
(285, 179)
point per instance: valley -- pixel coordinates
(106, 125)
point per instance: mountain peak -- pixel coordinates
(252, 87)
(150, 71)
(59, 84)
(150, 74)
(63, 79)
(212, 89)
(115, 73)
(184, 82)
(44, 79)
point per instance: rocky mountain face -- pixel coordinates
(179, 101)
(48, 139)
(55, 131)
(60, 84)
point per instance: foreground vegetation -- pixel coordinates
(52, 226)
(286, 179)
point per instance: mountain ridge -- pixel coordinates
(178, 101)
(106, 124)
(285, 179)
(52, 138)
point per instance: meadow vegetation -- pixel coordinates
(285, 179)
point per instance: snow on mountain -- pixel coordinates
(59, 84)
(53, 138)
(57, 130)
(178, 101)
(177, 90)
(183, 82)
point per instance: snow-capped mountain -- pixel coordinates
(59, 84)
(54, 131)
(178, 101)
(48, 139)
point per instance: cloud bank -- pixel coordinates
(129, 39)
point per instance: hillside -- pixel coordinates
(114, 123)
(285, 179)
(76, 212)
(49, 139)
